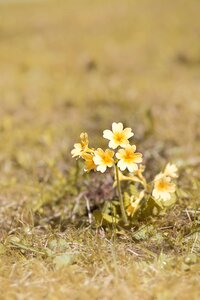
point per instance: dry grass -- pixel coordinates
(69, 66)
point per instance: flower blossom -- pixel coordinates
(103, 159)
(80, 148)
(171, 170)
(163, 187)
(118, 136)
(89, 162)
(128, 158)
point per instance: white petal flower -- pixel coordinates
(103, 159)
(81, 147)
(128, 158)
(118, 136)
(171, 170)
(77, 151)
(163, 187)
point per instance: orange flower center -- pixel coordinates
(128, 156)
(119, 137)
(106, 159)
(163, 185)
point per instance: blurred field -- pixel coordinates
(73, 66)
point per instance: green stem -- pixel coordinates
(121, 201)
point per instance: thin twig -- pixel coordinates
(133, 252)
(195, 241)
(21, 246)
(166, 227)
(188, 215)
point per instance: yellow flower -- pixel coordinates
(81, 147)
(118, 136)
(103, 159)
(89, 162)
(163, 187)
(128, 158)
(171, 170)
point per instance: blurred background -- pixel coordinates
(73, 66)
(70, 66)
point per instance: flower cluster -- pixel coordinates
(99, 160)
(122, 156)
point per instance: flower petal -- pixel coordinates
(97, 160)
(108, 134)
(138, 157)
(124, 144)
(121, 165)
(156, 194)
(110, 152)
(132, 167)
(77, 150)
(120, 153)
(116, 127)
(113, 145)
(128, 132)
(171, 170)
(166, 196)
(101, 168)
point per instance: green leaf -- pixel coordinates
(52, 245)
(64, 260)
(150, 207)
(126, 199)
(143, 233)
(110, 219)
(133, 190)
(103, 218)
(98, 216)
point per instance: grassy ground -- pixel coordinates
(73, 66)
